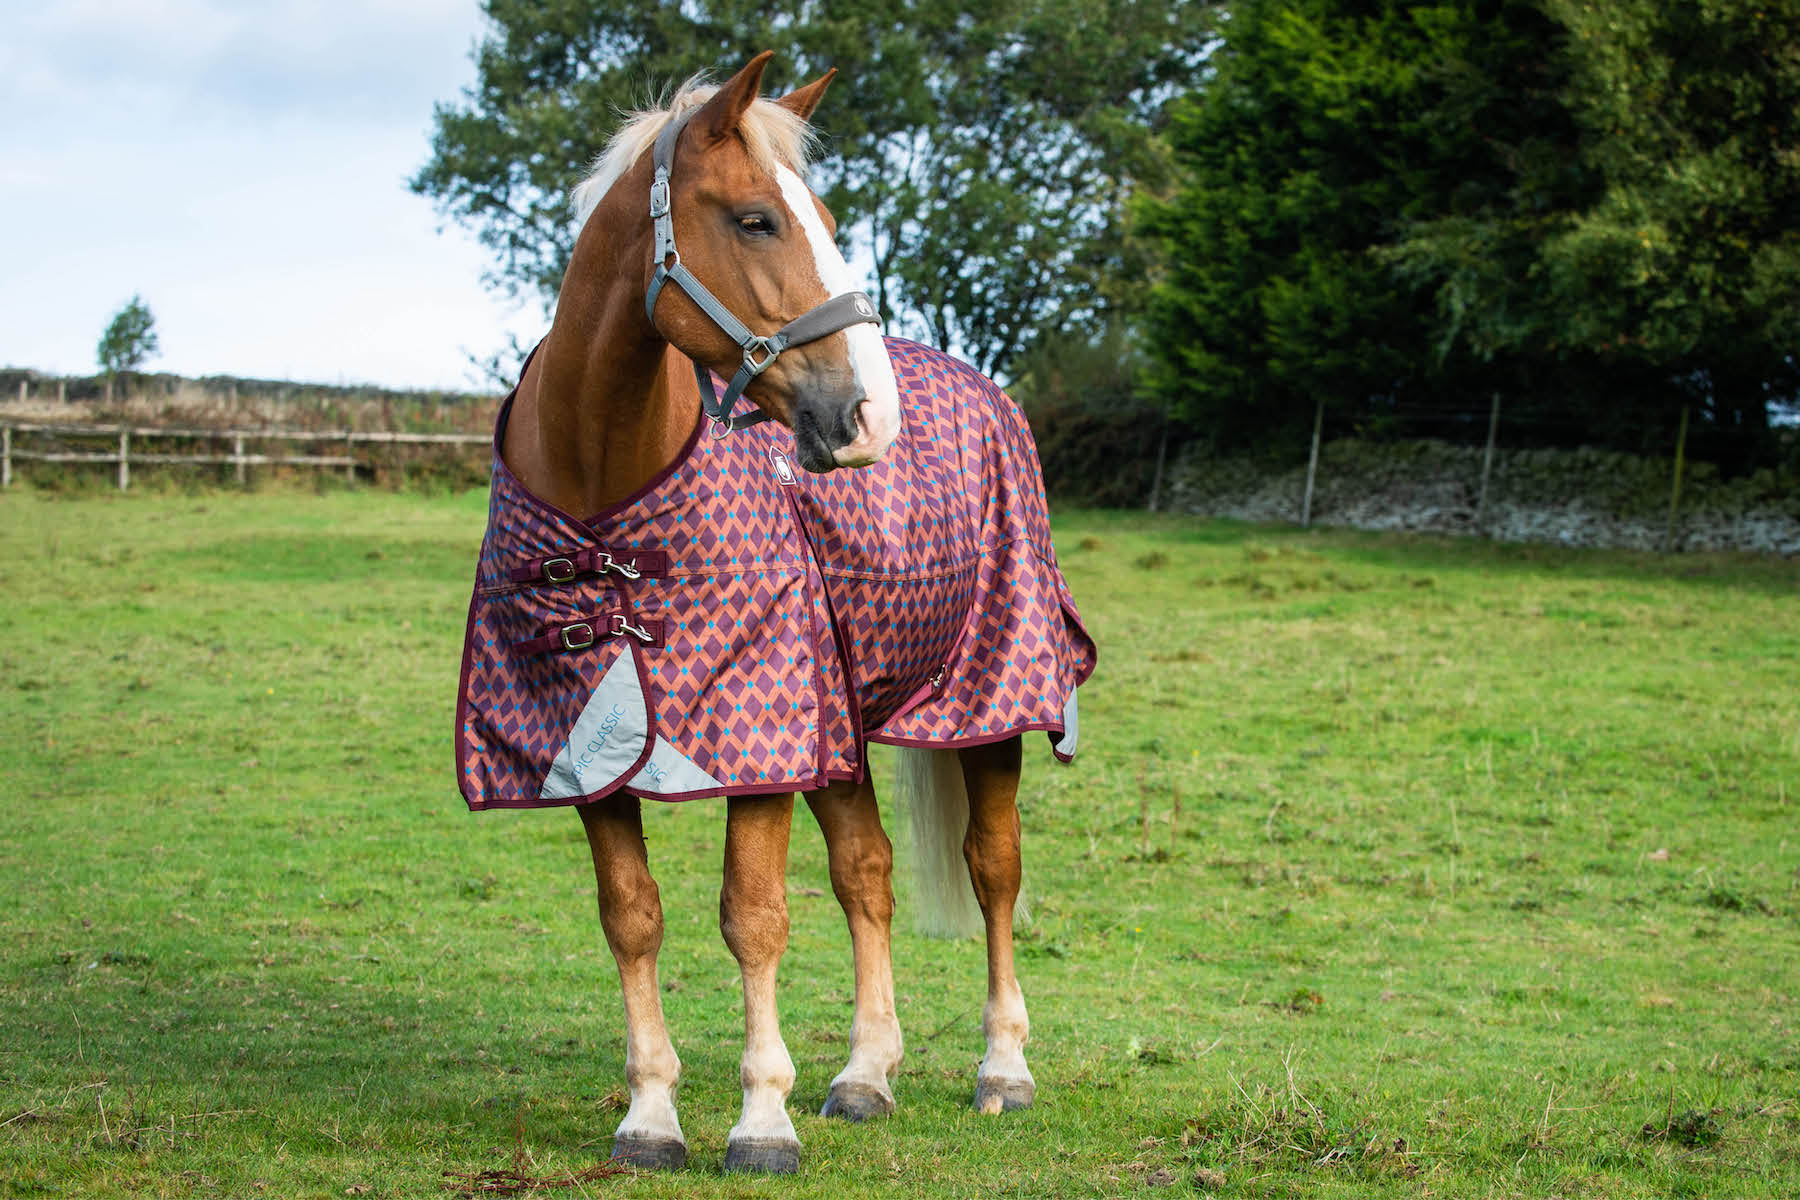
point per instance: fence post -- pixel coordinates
(124, 459)
(350, 452)
(1162, 452)
(24, 391)
(237, 452)
(1675, 489)
(1487, 463)
(62, 391)
(1312, 466)
(5, 456)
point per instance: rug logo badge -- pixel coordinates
(784, 470)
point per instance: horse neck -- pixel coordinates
(607, 404)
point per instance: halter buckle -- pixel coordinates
(769, 351)
(659, 198)
(558, 570)
(580, 630)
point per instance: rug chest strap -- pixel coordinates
(630, 564)
(583, 632)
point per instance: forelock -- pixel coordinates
(773, 136)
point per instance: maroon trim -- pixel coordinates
(681, 456)
(1055, 728)
(532, 497)
(1069, 613)
(462, 701)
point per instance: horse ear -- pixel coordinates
(718, 118)
(803, 100)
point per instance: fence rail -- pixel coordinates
(123, 456)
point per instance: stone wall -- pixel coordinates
(1569, 497)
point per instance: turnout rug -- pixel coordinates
(740, 626)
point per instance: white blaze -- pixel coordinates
(878, 414)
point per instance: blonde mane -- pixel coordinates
(773, 135)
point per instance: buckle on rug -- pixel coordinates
(559, 570)
(586, 634)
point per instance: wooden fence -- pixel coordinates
(123, 456)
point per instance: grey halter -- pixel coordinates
(837, 313)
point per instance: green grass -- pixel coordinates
(1391, 866)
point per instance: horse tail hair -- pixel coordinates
(932, 789)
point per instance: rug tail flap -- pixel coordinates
(1064, 744)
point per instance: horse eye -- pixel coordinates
(756, 223)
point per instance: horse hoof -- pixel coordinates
(763, 1156)
(650, 1153)
(857, 1102)
(1003, 1095)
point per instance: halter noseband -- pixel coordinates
(837, 313)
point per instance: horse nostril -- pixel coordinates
(832, 423)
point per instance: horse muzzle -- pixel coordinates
(843, 432)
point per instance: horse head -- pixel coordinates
(756, 240)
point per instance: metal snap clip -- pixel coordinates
(609, 563)
(617, 624)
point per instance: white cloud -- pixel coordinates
(243, 166)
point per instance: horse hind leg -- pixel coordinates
(631, 913)
(991, 848)
(753, 917)
(862, 873)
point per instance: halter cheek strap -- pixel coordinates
(839, 312)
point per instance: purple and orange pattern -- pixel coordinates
(916, 602)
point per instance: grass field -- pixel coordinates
(1391, 867)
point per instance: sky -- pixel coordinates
(241, 165)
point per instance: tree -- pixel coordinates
(975, 159)
(129, 340)
(1686, 265)
(1322, 130)
(1671, 275)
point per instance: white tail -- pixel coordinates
(931, 787)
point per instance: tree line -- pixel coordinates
(1214, 218)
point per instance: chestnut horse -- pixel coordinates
(604, 406)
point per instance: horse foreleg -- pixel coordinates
(631, 914)
(991, 848)
(862, 874)
(753, 917)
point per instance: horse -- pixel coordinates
(724, 624)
